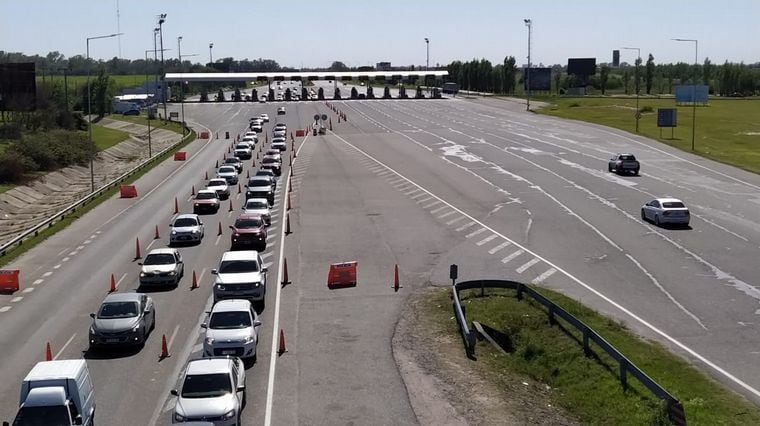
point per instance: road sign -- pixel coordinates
(324, 117)
(667, 117)
(316, 117)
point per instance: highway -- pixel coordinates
(422, 184)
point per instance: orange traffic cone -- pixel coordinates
(247, 174)
(137, 249)
(206, 177)
(220, 229)
(281, 350)
(113, 284)
(217, 164)
(290, 185)
(395, 279)
(194, 285)
(285, 280)
(338, 119)
(49, 352)
(240, 190)
(192, 190)
(288, 201)
(230, 205)
(156, 235)
(176, 206)
(287, 225)
(164, 349)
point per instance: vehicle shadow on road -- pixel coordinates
(111, 353)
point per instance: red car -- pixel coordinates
(206, 200)
(249, 230)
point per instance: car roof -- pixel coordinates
(240, 255)
(206, 191)
(258, 200)
(211, 365)
(265, 172)
(668, 200)
(249, 216)
(220, 180)
(123, 297)
(227, 167)
(231, 305)
(187, 216)
(165, 250)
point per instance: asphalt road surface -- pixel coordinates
(420, 184)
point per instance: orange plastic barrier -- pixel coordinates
(180, 156)
(9, 280)
(204, 135)
(300, 133)
(342, 275)
(127, 191)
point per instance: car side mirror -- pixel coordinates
(231, 227)
(241, 388)
(78, 419)
(265, 270)
(256, 323)
(204, 325)
(174, 392)
(214, 272)
(139, 263)
(92, 316)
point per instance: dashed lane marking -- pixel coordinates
(539, 279)
(465, 226)
(447, 214)
(512, 256)
(5, 309)
(475, 232)
(453, 221)
(17, 299)
(439, 209)
(499, 247)
(527, 265)
(38, 281)
(486, 239)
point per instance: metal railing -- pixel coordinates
(674, 407)
(35, 230)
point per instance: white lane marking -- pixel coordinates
(446, 214)
(73, 253)
(219, 237)
(57, 354)
(453, 221)
(5, 309)
(438, 209)
(475, 232)
(171, 339)
(265, 255)
(425, 200)
(485, 240)
(596, 292)
(512, 256)
(28, 290)
(38, 281)
(499, 247)
(465, 226)
(527, 265)
(65, 259)
(421, 194)
(88, 241)
(47, 274)
(17, 299)
(412, 191)
(147, 249)
(61, 252)
(541, 278)
(431, 204)
(276, 324)
(394, 182)
(267, 264)
(80, 247)
(57, 266)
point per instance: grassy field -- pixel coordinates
(105, 138)
(81, 80)
(154, 124)
(588, 387)
(728, 130)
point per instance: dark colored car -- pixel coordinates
(123, 319)
(249, 232)
(235, 162)
(624, 163)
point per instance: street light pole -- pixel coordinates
(638, 85)
(161, 20)
(693, 90)
(427, 55)
(181, 83)
(528, 24)
(210, 58)
(150, 149)
(89, 109)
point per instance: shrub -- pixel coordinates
(13, 165)
(574, 105)
(10, 131)
(646, 108)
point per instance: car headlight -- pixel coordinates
(228, 415)
(174, 232)
(179, 417)
(248, 339)
(136, 328)
(220, 287)
(92, 330)
(209, 340)
(172, 273)
(196, 231)
(142, 274)
(256, 284)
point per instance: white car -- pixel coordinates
(243, 150)
(259, 206)
(666, 211)
(278, 139)
(186, 228)
(162, 266)
(264, 118)
(228, 173)
(251, 134)
(280, 145)
(220, 186)
(206, 200)
(240, 275)
(257, 128)
(232, 329)
(212, 388)
(281, 126)
(281, 111)
(279, 133)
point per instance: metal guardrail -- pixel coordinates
(674, 407)
(34, 231)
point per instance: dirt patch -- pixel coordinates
(447, 388)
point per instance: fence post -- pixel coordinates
(482, 288)
(552, 321)
(623, 371)
(519, 291)
(586, 349)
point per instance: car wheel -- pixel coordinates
(643, 215)
(636, 172)
(609, 168)
(657, 220)
(153, 323)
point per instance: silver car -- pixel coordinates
(212, 389)
(232, 329)
(186, 228)
(228, 173)
(220, 186)
(162, 266)
(258, 206)
(666, 211)
(123, 319)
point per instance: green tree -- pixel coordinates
(637, 75)
(338, 66)
(707, 72)
(626, 79)
(649, 75)
(557, 79)
(510, 72)
(604, 75)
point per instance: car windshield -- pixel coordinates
(264, 173)
(256, 205)
(229, 320)
(247, 223)
(673, 205)
(241, 146)
(118, 310)
(205, 196)
(231, 161)
(185, 221)
(268, 160)
(238, 266)
(217, 182)
(206, 385)
(55, 415)
(159, 259)
(628, 157)
(259, 182)
(227, 170)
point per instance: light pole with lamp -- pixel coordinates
(427, 60)
(693, 89)
(161, 20)
(181, 94)
(210, 57)
(528, 24)
(638, 84)
(89, 109)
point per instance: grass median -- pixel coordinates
(727, 130)
(588, 386)
(18, 250)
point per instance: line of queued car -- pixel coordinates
(212, 388)
(661, 211)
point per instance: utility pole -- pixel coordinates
(210, 57)
(528, 24)
(181, 83)
(693, 90)
(161, 20)
(638, 84)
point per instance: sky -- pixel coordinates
(300, 33)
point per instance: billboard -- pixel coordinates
(18, 87)
(581, 66)
(667, 117)
(686, 94)
(615, 58)
(540, 79)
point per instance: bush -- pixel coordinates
(14, 165)
(574, 105)
(646, 108)
(54, 149)
(10, 131)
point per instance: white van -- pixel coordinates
(57, 392)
